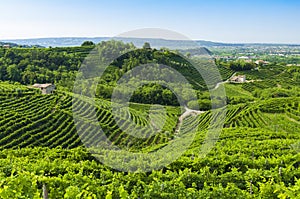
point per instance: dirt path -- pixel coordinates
(187, 113)
(218, 84)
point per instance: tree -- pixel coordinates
(188, 54)
(3, 72)
(14, 73)
(88, 43)
(146, 45)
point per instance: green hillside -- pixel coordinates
(257, 148)
(47, 120)
(32, 119)
(46, 148)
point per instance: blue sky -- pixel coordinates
(267, 21)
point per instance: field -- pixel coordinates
(45, 151)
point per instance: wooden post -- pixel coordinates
(251, 191)
(45, 192)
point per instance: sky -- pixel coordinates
(230, 21)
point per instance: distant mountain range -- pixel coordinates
(8, 43)
(15, 44)
(156, 43)
(77, 41)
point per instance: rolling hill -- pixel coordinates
(45, 149)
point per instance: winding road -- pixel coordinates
(187, 113)
(218, 84)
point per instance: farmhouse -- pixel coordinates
(261, 62)
(45, 88)
(238, 79)
(6, 46)
(244, 57)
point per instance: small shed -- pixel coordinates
(6, 46)
(238, 79)
(45, 88)
(261, 62)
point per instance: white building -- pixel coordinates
(45, 88)
(238, 79)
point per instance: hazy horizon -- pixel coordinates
(232, 21)
(95, 37)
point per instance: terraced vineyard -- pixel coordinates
(47, 120)
(257, 148)
(46, 141)
(8, 89)
(31, 119)
(269, 77)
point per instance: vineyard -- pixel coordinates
(255, 156)
(47, 120)
(51, 144)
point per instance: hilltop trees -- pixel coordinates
(61, 66)
(88, 43)
(13, 72)
(146, 45)
(240, 65)
(151, 93)
(237, 65)
(29, 65)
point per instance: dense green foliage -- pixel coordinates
(153, 93)
(239, 65)
(60, 66)
(71, 173)
(41, 65)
